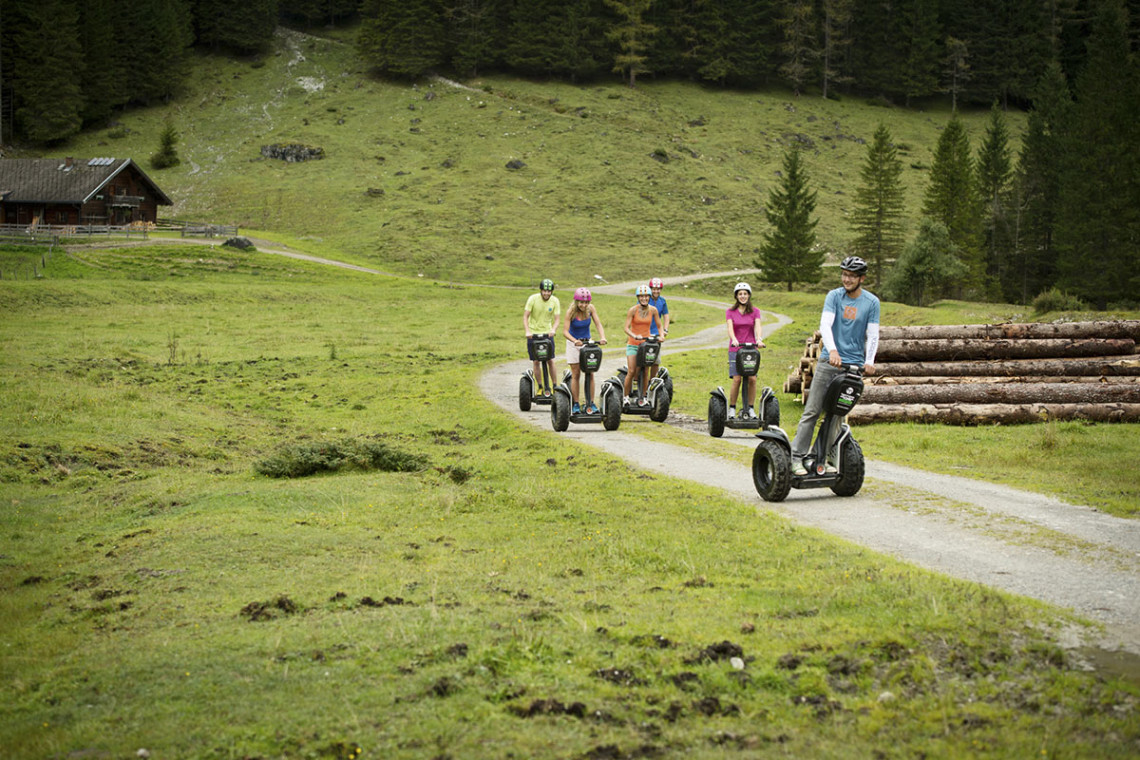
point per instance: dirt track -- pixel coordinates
(1037, 546)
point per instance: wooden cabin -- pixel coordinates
(77, 192)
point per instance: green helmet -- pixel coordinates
(547, 284)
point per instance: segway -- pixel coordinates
(747, 366)
(659, 391)
(530, 392)
(772, 461)
(609, 399)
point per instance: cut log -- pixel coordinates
(1092, 365)
(988, 414)
(1098, 329)
(944, 349)
(966, 379)
(794, 384)
(1003, 393)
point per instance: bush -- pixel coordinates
(303, 459)
(1057, 300)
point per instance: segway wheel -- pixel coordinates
(660, 409)
(613, 410)
(718, 413)
(669, 387)
(851, 477)
(559, 413)
(771, 411)
(772, 471)
(526, 393)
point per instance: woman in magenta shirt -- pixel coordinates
(744, 326)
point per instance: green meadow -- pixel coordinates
(446, 581)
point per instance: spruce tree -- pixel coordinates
(927, 268)
(47, 69)
(877, 216)
(920, 68)
(1098, 220)
(402, 37)
(800, 48)
(836, 29)
(1038, 182)
(994, 171)
(951, 198)
(632, 35)
(788, 253)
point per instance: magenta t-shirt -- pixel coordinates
(742, 325)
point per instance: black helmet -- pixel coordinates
(853, 264)
(547, 284)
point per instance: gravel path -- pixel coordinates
(1037, 546)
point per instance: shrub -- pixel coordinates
(303, 459)
(1057, 300)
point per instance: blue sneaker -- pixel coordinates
(575, 409)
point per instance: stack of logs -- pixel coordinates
(1009, 373)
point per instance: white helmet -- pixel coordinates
(742, 286)
(643, 290)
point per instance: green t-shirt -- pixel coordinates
(542, 313)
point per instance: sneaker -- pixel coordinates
(643, 401)
(751, 413)
(575, 409)
(830, 468)
(798, 467)
(625, 401)
(732, 412)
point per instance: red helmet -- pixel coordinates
(656, 282)
(582, 294)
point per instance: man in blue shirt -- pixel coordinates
(657, 301)
(850, 329)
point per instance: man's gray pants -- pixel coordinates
(824, 374)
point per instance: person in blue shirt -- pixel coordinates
(657, 301)
(850, 329)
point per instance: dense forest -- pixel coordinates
(1063, 213)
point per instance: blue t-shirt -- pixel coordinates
(662, 309)
(852, 315)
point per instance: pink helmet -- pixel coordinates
(582, 294)
(656, 282)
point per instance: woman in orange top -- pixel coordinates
(637, 323)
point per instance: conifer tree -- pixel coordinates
(788, 253)
(994, 171)
(1098, 220)
(633, 35)
(957, 69)
(951, 198)
(878, 212)
(920, 67)
(48, 68)
(836, 29)
(402, 37)
(1038, 183)
(799, 48)
(927, 268)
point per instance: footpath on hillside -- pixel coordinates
(1026, 543)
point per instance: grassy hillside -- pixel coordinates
(668, 177)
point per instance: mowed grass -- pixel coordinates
(521, 595)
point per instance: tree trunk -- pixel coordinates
(1003, 393)
(1099, 329)
(944, 349)
(1092, 365)
(964, 379)
(988, 414)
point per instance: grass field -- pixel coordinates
(515, 595)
